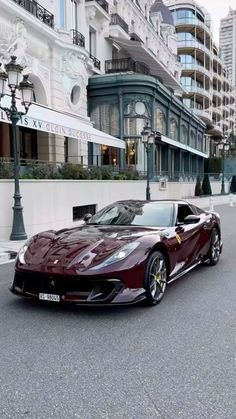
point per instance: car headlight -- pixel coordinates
(119, 255)
(22, 251)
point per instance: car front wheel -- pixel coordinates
(155, 278)
(214, 251)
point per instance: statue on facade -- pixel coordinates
(19, 45)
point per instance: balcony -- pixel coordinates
(103, 3)
(96, 62)
(37, 10)
(135, 37)
(78, 38)
(123, 65)
(117, 20)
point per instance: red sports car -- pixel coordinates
(127, 252)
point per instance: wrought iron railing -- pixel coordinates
(96, 62)
(122, 65)
(78, 38)
(102, 3)
(117, 20)
(37, 10)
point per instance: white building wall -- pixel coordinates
(48, 204)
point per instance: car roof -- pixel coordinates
(168, 201)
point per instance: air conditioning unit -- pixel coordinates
(162, 184)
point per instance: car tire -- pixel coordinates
(155, 280)
(214, 251)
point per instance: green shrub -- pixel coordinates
(6, 170)
(198, 187)
(206, 186)
(107, 173)
(73, 171)
(233, 184)
(40, 171)
(95, 173)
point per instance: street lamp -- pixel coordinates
(12, 76)
(148, 139)
(223, 146)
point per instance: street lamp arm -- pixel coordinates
(12, 112)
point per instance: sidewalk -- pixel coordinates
(9, 249)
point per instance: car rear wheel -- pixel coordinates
(214, 251)
(155, 278)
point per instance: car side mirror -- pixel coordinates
(87, 217)
(192, 219)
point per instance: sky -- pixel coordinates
(217, 10)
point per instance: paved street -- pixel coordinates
(176, 360)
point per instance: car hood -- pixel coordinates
(83, 247)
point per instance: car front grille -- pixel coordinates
(68, 287)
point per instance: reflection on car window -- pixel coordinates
(183, 211)
(157, 214)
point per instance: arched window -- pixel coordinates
(184, 134)
(173, 129)
(106, 118)
(193, 139)
(200, 142)
(160, 121)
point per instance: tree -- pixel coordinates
(233, 184)
(206, 186)
(198, 187)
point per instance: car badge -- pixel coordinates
(55, 261)
(178, 238)
(52, 283)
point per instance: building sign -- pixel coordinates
(49, 127)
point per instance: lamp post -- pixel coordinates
(148, 139)
(11, 77)
(223, 146)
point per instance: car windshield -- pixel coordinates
(156, 214)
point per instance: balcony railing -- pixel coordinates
(78, 38)
(102, 3)
(37, 10)
(117, 20)
(122, 65)
(96, 62)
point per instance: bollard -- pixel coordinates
(231, 200)
(211, 204)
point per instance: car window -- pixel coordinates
(156, 214)
(183, 211)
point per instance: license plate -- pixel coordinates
(49, 297)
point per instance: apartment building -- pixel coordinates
(228, 44)
(208, 91)
(101, 69)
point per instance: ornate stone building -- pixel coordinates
(125, 52)
(47, 44)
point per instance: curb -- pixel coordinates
(7, 256)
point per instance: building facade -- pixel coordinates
(142, 84)
(228, 44)
(126, 53)
(123, 103)
(208, 91)
(46, 42)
